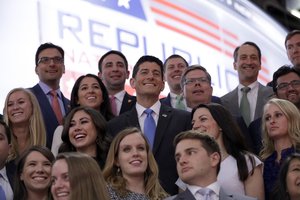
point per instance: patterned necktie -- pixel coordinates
(205, 192)
(149, 126)
(56, 107)
(179, 102)
(245, 105)
(113, 105)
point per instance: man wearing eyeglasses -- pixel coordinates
(196, 86)
(286, 84)
(49, 60)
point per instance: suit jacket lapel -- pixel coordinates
(186, 195)
(162, 124)
(126, 103)
(224, 196)
(66, 103)
(235, 101)
(168, 100)
(132, 118)
(44, 104)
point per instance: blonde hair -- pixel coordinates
(37, 130)
(292, 114)
(85, 176)
(113, 177)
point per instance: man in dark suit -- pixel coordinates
(49, 60)
(147, 80)
(113, 71)
(198, 159)
(174, 66)
(247, 62)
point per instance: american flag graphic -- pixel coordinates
(176, 17)
(197, 27)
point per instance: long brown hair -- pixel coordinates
(153, 188)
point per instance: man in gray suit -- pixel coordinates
(247, 62)
(198, 161)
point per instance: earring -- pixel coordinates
(118, 171)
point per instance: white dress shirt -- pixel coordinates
(142, 116)
(4, 182)
(119, 99)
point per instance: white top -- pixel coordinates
(119, 99)
(142, 116)
(56, 141)
(251, 95)
(229, 174)
(228, 177)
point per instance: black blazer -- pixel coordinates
(170, 123)
(48, 114)
(127, 103)
(166, 100)
(252, 134)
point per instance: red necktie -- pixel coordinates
(56, 107)
(113, 105)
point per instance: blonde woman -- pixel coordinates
(281, 137)
(131, 170)
(23, 116)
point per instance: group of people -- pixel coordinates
(104, 143)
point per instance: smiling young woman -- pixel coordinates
(33, 174)
(131, 170)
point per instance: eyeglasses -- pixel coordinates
(201, 80)
(47, 60)
(284, 86)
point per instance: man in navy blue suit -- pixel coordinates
(113, 71)
(49, 61)
(147, 79)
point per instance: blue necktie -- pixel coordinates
(149, 126)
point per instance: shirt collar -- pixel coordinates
(46, 89)
(155, 107)
(214, 187)
(252, 86)
(120, 95)
(173, 95)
